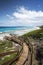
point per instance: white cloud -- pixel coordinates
(24, 13)
(26, 17)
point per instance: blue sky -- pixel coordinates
(21, 12)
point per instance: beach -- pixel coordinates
(17, 32)
(2, 35)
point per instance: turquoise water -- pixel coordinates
(8, 29)
(18, 30)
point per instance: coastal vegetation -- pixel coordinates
(36, 39)
(33, 42)
(7, 58)
(34, 34)
(6, 46)
(8, 51)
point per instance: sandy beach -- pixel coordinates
(17, 32)
(2, 35)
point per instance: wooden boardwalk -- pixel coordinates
(25, 50)
(23, 56)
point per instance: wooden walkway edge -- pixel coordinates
(23, 56)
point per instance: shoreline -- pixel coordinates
(17, 32)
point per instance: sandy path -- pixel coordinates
(23, 56)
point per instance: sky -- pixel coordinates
(21, 12)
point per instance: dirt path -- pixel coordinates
(23, 56)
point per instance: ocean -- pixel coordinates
(8, 29)
(19, 30)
